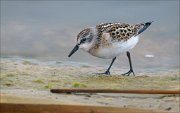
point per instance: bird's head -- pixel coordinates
(84, 40)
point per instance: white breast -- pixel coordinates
(116, 48)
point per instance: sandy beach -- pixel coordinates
(29, 81)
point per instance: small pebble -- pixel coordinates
(169, 108)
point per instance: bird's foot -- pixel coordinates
(128, 73)
(105, 73)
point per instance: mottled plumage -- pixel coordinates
(118, 31)
(108, 35)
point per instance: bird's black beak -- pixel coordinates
(74, 50)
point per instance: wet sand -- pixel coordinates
(23, 81)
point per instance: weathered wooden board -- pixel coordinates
(50, 108)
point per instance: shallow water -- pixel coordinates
(59, 63)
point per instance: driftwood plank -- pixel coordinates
(45, 108)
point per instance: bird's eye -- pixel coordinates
(83, 40)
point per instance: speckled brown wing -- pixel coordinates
(122, 32)
(118, 31)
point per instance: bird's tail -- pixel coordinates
(144, 26)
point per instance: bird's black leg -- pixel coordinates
(107, 72)
(131, 68)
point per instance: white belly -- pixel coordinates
(116, 49)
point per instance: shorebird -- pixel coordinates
(109, 40)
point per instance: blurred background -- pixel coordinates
(48, 29)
